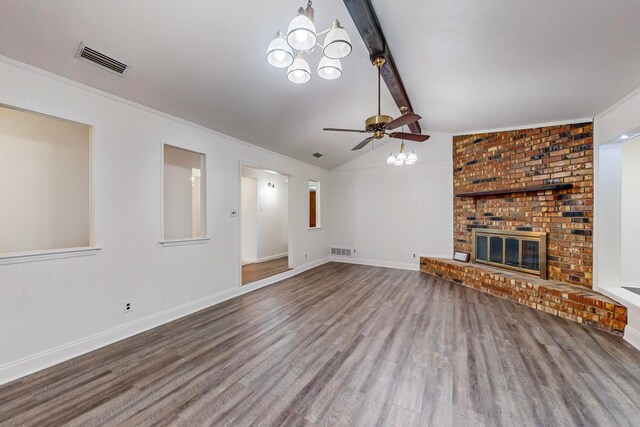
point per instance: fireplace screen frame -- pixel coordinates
(531, 236)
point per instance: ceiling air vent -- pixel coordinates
(318, 155)
(101, 60)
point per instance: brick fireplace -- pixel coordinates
(537, 181)
(545, 157)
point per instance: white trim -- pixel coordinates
(414, 266)
(630, 285)
(269, 258)
(285, 275)
(45, 73)
(618, 103)
(183, 242)
(32, 256)
(37, 362)
(526, 126)
(632, 336)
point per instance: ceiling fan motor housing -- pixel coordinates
(376, 124)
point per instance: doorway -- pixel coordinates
(264, 223)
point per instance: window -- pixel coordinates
(45, 183)
(184, 201)
(314, 204)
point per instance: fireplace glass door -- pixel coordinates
(522, 251)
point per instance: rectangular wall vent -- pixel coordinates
(101, 60)
(341, 252)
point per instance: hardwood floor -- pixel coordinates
(345, 345)
(261, 270)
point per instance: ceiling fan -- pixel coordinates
(380, 124)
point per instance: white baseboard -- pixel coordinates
(269, 258)
(415, 266)
(632, 336)
(37, 362)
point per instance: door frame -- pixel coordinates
(290, 212)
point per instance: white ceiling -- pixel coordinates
(467, 65)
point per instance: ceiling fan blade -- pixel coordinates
(409, 136)
(346, 130)
(362, 144)
(404, 119)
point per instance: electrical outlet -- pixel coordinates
(414, 255)
(127, 307)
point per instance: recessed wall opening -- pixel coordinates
(45, 183)
(264, 212)
(184, 194)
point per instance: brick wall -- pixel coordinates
(522, 158)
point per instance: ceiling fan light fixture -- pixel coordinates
(279, 53)
(299, 72)
(391, 159)
(399, 163)
(301, 34)
(337, 44)
(412, 157)
(329, 69)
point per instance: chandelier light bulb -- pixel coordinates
(329, 69)
(337, 44)
(301, 34)
(279, 53)
(299, 72)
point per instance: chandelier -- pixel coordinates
(287, 50)
(401, 158)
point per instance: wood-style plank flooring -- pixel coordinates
(261, 270)
(345, 345)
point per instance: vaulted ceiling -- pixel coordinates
(467, 65)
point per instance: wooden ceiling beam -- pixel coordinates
(365, 19)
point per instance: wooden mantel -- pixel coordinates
(515, 190)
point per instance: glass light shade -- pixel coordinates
(412, 157)
(399, 162)
(401, 156)
(301, 34)
(279, 53)
(337, 44)
(299, 72)
(329, 69)
(391, 159)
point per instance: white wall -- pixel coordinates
(44, 182)
(52, 310)
(387, 213)
(615, 185)
(272, 214)
(630, 223)
(249, 215)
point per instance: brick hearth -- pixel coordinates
(541, 180)
(570, 302)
